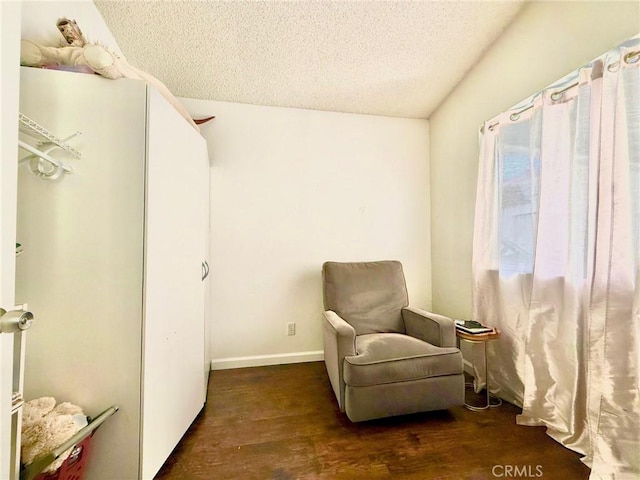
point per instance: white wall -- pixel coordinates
(291, 189)
(546, 41)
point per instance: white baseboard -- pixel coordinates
(265, 360)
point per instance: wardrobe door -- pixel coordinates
(81, 271)
(174, 294)
(206, 282)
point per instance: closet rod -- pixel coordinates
(44, 156)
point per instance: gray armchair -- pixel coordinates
(384, 358)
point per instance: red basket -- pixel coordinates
(73, 467)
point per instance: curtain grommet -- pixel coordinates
(632, 57)
(614, 67)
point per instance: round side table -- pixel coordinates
(482, 338)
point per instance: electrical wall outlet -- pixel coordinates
(291, 328)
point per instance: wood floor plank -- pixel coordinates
(283, 422)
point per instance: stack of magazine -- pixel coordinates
(472, 327)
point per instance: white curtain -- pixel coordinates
(556, 259)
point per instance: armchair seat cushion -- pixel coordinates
(392, 357)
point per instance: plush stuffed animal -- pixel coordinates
(46, 426)
(98, 59)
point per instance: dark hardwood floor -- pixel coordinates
(282, 422)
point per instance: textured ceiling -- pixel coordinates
(373, 57)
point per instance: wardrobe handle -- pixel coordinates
(205, 270)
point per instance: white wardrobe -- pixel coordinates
(113, 265)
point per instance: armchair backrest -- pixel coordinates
(368, 295)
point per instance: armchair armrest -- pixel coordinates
(430, 327)
(339, 341)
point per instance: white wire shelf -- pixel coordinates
(38, 132)
(16, 401)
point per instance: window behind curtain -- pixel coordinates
(519, 172)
